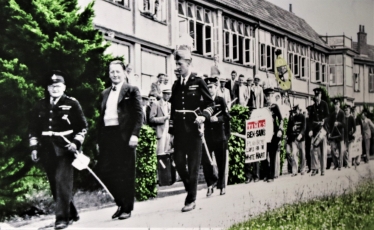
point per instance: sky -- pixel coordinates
(334, 17)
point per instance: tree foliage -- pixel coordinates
(37, 36)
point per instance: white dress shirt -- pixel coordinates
(111, 114)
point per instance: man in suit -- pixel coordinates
(350, 129)
(336, 124)
(217, 132)
(232, 85)
(145, 104)
(223, 92)
(159, 116)
(366, 126)
(121, 118)
(296, 129)
(259, 93)
(152, 101)
(252, 97)
(188, 93)
(243, 92)
(156, 87)
(317, 121)
(57, 130)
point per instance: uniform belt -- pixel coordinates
(51, 133)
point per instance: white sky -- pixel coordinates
(334, 17)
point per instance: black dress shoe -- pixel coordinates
(270, 180)
(189, 207)
(223, 191)
(257, 180)
(210, 191)
(248, 181)
(61, 225)
(309, 171)
(124, 216)
(294, 174)
(73, 219)
(117, 213)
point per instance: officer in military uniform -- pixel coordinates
(318, 114)
(189, 92)
(272, 147)
(296, 128)
(57, 130)
(217, 132)
(336, 124)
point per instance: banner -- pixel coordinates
(355, 147)
(255, 142)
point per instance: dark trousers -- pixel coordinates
(187, 152)
(307, 153)
(252, 170)
(219, 149)
(116, 165)
(269, 166)
(60, 176)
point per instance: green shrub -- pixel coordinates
(239, 115)
(146, 165)
(283, 148)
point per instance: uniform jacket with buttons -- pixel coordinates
(337, 132)
(194, 94)
(130, 112)
(220, 130)
(317, 114)
(65, 115)
(296, 126)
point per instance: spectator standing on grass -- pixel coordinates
(57, 130)
(317, 119)
(121, 118)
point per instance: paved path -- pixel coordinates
(220, 212)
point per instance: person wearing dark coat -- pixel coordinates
(57, 130)
(121, 118)
(233, 86)
(336, 125)
(217, 132)
(350, 129)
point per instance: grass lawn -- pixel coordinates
(352, 210)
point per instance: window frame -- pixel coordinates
(150, 12)
(371, 79)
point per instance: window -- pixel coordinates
(125, 3)
(269, 43)
(119, 50)
(349, 70)
(197, 22)
(155, 9)
(297, 59)
(318, 67)
(336, 69)
(356, 74)
(371, 79)
(152, 64)
(238, 42)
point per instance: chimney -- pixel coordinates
(291, 8)
(362, 46)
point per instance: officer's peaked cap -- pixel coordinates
(210, 81)
(55, 76)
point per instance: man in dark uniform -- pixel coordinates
(336, 124)
(189, 92)
(350, 129)
(318, 114)
(307, 139)
(272, 147)
(296, 128)
(217, 131)
(57, 130)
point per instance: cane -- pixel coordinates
(202, 137)
(81, 162)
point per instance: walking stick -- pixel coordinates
(202, 137)
(81, 162)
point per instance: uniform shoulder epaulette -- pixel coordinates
(71, 98)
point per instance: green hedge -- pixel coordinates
(283, 148)
(236, 145)
(146, 165)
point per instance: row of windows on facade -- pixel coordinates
(239, 45)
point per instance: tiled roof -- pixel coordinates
(270, 13)
(370, 52)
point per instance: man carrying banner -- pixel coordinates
(318, 114)
(189, 92)
(272, 147)
(336, 124)
(296, 129)
(350, 128)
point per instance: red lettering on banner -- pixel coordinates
(256, 124)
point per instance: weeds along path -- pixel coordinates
(241, 202)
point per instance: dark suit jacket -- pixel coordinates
(220, 130)
(130, 113)
(234, 93)
(337, 133)
(193, 95)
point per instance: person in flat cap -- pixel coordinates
(366, 127)
(188, 93)
(258, 93)
(223, 92)
(217, 133)
(272, 147)
(57, 130)
(336, 125)
(296, 130)
(349, 134)
(319, 112)
(160, 116)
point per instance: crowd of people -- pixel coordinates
(192, 120)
